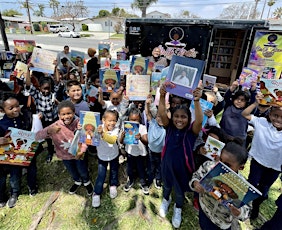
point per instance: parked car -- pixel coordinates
(69, 34)
(57, 28)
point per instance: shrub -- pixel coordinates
(84, 27)
(36, 27)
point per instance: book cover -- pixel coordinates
(24, 46)
(205, 105)
(121, 55)
(155, 82)
(137, 87)
(89, 122)
(209, 81)
(75, 144)
(104, 49)
(139, 65)
(246, 77)
(43, 60)
(183, 76)
(272, 92)
(109, 79)
(158, 95)
(123, 66)
(220, 178)
(131, 129)
(21, 148)
(213, 148)
(20, 70)
(75, 54)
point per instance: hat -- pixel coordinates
(140, 61)
(110, 74)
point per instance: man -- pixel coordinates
(63, 54)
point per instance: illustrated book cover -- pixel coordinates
(137, 87)
(183, 76)
(272, 92)
(109, 79)
(205, 105)
(228, 187)
(213, 148)
(122, 65)
(209, 81)
(20, 70)
(21, 148)
(24, 46)
(139, 65)
(131, 129)
(247, 76)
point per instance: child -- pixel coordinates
(74, 91)
(156, 137)
(62, 132)
(265, 150)
(232, 122)
(136, 153)
(12, 118)
(214, 215)
(177, 155)
(107, 154)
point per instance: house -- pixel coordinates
(75, 22)
(157, 14)
(106, 24)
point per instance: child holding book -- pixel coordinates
(265, 150)
(107, 154)
(136, 153)
(62, 133)
(213, 214)
(177, 155)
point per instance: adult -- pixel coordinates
(92, 65)
(158, 61)
(182, 79)
(63, 54)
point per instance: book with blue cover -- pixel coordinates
(131, 129)
(205, 105)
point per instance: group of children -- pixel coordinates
(168, 153)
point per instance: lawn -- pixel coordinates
(131, 210)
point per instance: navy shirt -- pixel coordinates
(7, 122)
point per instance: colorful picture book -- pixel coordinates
(220, 178)
(123, 66)
(104, 49)
(6, 55)
(77, 54)
(139, 65)
(109, 79)
(24, 46)
(21, 148)
(89, 121)
(131, 129)
(20, 70)
(205, 105)
(209, 81)
(121, 55)
(155, 82)
(43, 60)
(75, 144)
(213, 148)
(272, 92)
(183, 76)
(246, 77)
(137, 87)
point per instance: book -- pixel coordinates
(209, 81)
(20, 70)
(139, 65)
(158, 95)
(205, 105)
(104, 49)
(123, 66)
(246, 77)
(272, 92)
(109, 79)
(77, 54)
(213, 148)
(21, 148)
(89, 121)
(155, 82)
(24, 46)
(137, 87)
(220, 178)
(131, 129)
(121, 55)
(183, 76)
(75, 144)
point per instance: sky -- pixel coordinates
(204, 8)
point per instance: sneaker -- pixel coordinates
(113, 192)
(74, 187)
(158, 184)
(12, 201)
(164, 207)
(145, 189)
(89, 188)
(196, 204)
(96, 200)
(176, 218)
(2, 204)
(33, 192)
(49, 159)
(128, 186)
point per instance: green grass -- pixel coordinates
(117, 36)
(131, 210)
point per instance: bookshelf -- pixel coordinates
(226, 53)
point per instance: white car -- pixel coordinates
(69, 34)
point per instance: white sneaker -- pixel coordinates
(96, 201)
(176, 218)
(113, 192)
(164, 207)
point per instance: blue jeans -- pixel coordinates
(78, 169)
(136, 162)
(15, 179)
(32, 172)
(102, 171)
(155, 166)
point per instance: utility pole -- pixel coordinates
(3, 33)
(255, 9)
(29, 18)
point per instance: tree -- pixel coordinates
(118, 27)
(142, 5)
(238, 11)
(11, 13)
(270, 3)
(40, 11)
(28, 7)
(186, 14)
(103, 13)
(255, 13)
(54, 4)
(278, 12)
(116, 11)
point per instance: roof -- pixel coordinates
(19, 18)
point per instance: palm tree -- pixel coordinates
(26, 5)
(270, 3)
(142, 5)
(54, 4)
(40, 11)
(278, 12)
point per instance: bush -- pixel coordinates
(36, 27)
(84, 27)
